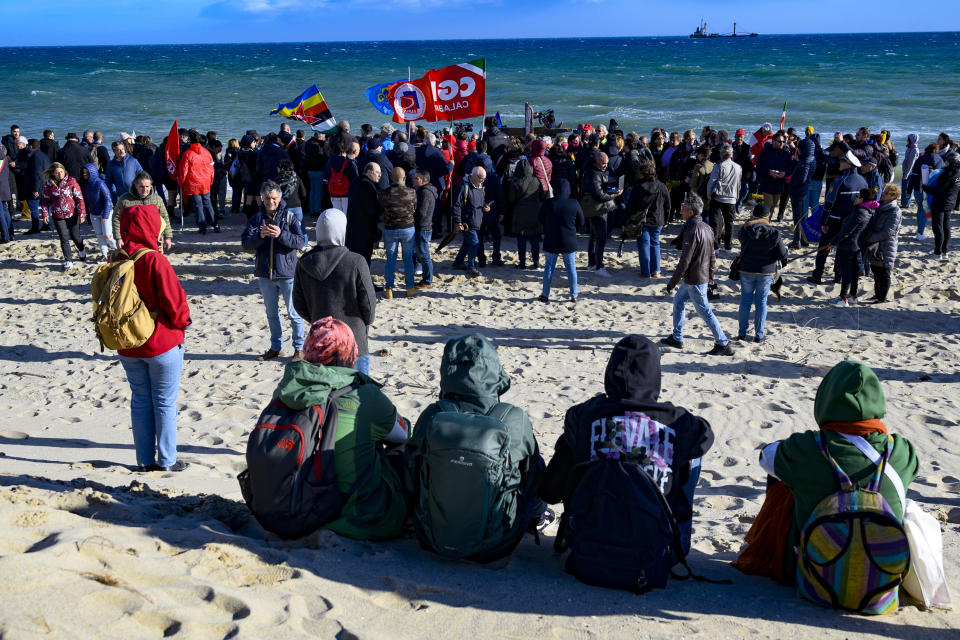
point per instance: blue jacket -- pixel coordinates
(806, 164)
(119, 176)
(431, 159)
(842, 195)
(96, 194)
(267, 162)
(276, 257)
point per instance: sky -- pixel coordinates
(68, 22)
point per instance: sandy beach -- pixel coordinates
(91, 549)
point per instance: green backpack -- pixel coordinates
(467, 486)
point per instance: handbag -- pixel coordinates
(925, 580)
(735, 269)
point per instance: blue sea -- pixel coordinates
(908, 82)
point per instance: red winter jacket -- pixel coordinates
(542, 167)
(195, 170)
(140, 226)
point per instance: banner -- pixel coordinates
(379, 97)
(455, 92)
(171, 151)
(310, 108)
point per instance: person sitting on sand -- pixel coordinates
(367, 422)
(469, 416)
(849, 404)
(671, 439)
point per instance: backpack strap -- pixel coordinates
(874, 456)
(500, 411)
(839, 475)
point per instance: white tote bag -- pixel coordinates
(925, 580)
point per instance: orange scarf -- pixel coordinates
(858, 428)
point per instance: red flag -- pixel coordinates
(172, 151)
(412, 100)
(455, 92)
(459, 91)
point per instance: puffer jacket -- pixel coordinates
(542, 167)
(697, 260)
(724, 183)
(96, 194)
(399, 205)
(772, 159)
(805, 167)
(62, 201)
(760, 247)
(195, 171)
(276, 257)
(592, 189)
(848, 238)
(910, 155)
(524, 193)
(120, 174)
(946, 191)
(883, 231)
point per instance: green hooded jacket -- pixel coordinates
(850, 392)
(378, 507)
(472, 378)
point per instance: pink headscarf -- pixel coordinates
(330, 342)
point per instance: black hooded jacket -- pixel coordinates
(760, 247)
(559, 217)
(629, 417)
(649, 201)
(334, 281)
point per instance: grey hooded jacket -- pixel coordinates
(724, 183)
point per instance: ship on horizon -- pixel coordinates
(701, 32)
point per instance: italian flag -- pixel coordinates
(783, 118)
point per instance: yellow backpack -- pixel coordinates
(120, 318)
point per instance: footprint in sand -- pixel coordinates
(13, 435)
(569, 633)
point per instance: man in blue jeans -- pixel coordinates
(275, 235)
(469, 206)
(426, 205)
(696, 268)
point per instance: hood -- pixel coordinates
(470, 372)
(911, 140)
(94, 175)
(331, 228)
(886, 208)
(633, 371)
(305, 384)
(649, 186)
(850, 392)
(140, 227)
(429, 187)
(523, 169)
(196, 148)
(816, 140)
(320, 261)
(538, 148)
(461, 146)
(611, 149)
(562, 189)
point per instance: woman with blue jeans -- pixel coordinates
(761, 252)
(399, 204)
(646, 211)
(153, 369)
(559, 217)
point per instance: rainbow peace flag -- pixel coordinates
(310, 108)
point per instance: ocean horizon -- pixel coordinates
(894, 81)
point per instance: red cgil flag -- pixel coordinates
(172, 151)
(451, 93)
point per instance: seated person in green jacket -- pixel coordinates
(367, 422)
(473, 464)
(849, 402)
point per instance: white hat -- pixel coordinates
(852, 159)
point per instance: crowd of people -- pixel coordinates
(469, 472)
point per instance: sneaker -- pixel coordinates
(720, 350)
(670, 341)
(840, 302)
(412, 292)
(82, 255)
(388, 294)
(943, 257)
(179, 465)
(759, 340)
(543, 298)
(541, 522)
(297, 355)
(473, 273)
(216, 228)
(603, 273)
(741, 338)
(852, 300)
(922, 238)
(270, 354)
(418, 271)
(67, 265)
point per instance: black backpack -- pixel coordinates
(620, 530)
(290, 483)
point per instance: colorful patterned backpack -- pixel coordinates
(854, 551)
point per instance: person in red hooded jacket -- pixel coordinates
(153, 369)
(195, 177)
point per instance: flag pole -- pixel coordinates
(483, 122)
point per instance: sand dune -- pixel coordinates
(90, 549)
